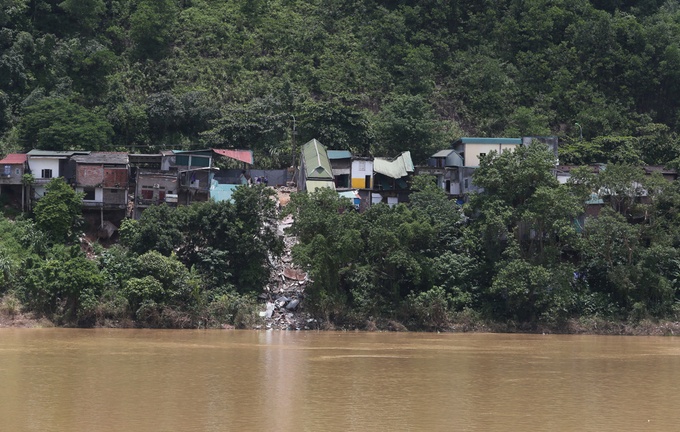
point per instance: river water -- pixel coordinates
(156, 380)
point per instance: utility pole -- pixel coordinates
(293, 149)
(580, 130)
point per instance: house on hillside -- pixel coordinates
(446, 167)
(45, 165)
(153, 188)
(315, 168)
(472, 149)
(341, 165)
(13, 167)
(104, 179)
(391, 179)
(362, 173)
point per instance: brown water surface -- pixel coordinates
(154, 380)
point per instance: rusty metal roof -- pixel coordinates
(239, 155)
(14, 159)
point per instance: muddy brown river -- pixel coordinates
(155, 380)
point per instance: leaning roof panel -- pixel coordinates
(394, 168)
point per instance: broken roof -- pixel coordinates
(14, 159)
(394, 168)
(114, 158)
(239, 155)
(317, 164)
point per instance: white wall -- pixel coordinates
(472, 151)
(361, 169)
(39, 164)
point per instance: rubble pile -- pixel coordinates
(284, 294)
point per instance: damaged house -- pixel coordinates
(103, 179)
(391, 182)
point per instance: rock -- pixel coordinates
(106, 230)
(294, 274)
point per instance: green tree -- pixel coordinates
(59, 124)
(151, 28)
(84, 13)
(408, 122)
(59, 211)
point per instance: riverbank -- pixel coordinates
(12, 316)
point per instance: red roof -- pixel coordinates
(14, 159)
(240, 155)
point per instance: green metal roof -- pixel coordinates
(339, 154)
(317, 164)
(394, 168)
(468, 140)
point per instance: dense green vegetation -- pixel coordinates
(517, 253)
(375, 77)
(365, 75)
(190, 266)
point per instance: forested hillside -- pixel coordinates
(369, 76)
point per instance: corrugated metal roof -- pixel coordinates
(349, 194)
(313, 185)
(442, 153)
(115, 158)
(339, 154)
(469, 140)
(14, 159)
(239, 155)
(222, 192)
(54, 153)
(317, 164)
(394, 168)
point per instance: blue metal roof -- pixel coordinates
(468, 140)
(339, 154)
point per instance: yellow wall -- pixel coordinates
(360, 183)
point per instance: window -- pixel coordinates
(89, 194)
(46, 173)
(482, 155)
(466, 184)
(17, 171)
(8, 170)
